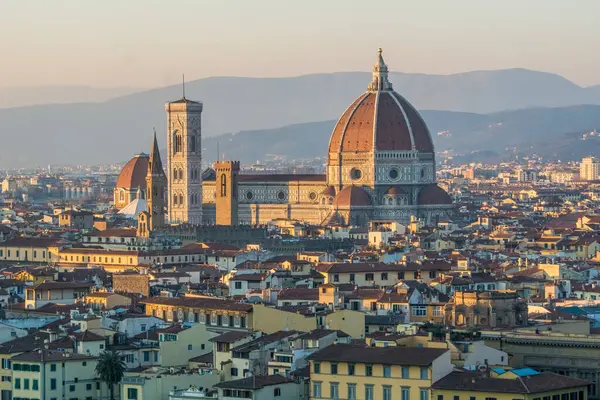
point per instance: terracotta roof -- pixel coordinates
(63, 285)
(87, 336)
(534, 383)
(204, 358)
(433, 194)
(133, 174)
(299, 294)
(254, 382)
(328, 191)
(378, 355)
(49, 355)
(199, 302)
(230, 337)
(352, 196)
(31, 242)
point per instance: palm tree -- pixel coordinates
(110, 369)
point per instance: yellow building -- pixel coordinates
(345, 371)
(21, 249)
(305, 318)
(55, 374)
(219, 314)
(491, 308)
(106, 300)
(500, 384)
(36, 275)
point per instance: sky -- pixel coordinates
(151, 43)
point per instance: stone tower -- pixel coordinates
(226, 200)
(184, 157)
(156, 183)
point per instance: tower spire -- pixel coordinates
(380, 80)
(155, 164)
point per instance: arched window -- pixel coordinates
(223, 185)
(176, 142)
(154, 190)
(174, 174)
(175, 199)
(181, 200)
(192, 142)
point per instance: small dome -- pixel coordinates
(133, 174)
(433, 195)
(328, 191)
(395, 191)
(352, 196)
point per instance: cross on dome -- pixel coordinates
(380, 75)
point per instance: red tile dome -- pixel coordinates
(133, 174)
(352, 196)
(380, 119)
(433, 195)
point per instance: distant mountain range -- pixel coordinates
(28, 96)
(554, 133)
(114, 130)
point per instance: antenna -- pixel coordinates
(183, 84)
(218, 152)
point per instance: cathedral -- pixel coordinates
(380, 167)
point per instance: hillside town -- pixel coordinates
(388, 276)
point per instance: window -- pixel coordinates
(438, 312)
(405, 393)
(384, 276)
(71, 388)
(351, 391)
(146, 356)
(475, 398)
(368, 370)
(88, 386)
(317, 389)
(336, 277)
(53, 384)
(334, 392)
(490, 398)
(238, 285)
(368, 392)
(425, 373)
(352, 277)
(189, 347)
(84, 363)
(458, 398)
(419, 311)
(132, 394)
(387, 371)
(387, 393)
(277, 392)
(424, 394)
(440, 397)
(52, 367)
(334, 369)
(26, 383)
(405, 373)
(317, 367)
(369, 277)
(401, 275)
(17, 383)
(35, 385)
(234, 371)
(351, 368)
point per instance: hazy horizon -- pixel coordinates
(145, 44)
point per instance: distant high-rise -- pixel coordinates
(589, 169)
(184, 161)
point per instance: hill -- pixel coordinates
(554, 133)
(114, 130)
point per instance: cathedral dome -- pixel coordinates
(380, 119)
(433, 195)
(352, 196)
(133, 174)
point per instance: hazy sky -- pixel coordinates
(149, 43)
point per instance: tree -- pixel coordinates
(110, 369)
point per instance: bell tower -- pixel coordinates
(226, 188)
(156, 183)
(184, 157)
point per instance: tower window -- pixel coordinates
(181, 200)
(176, 142)
(356, 174)
(223, 185)
(192, 140)
(393, 174)
(281, 195)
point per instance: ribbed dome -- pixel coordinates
(352, 196)
(433, 195)
(380, 119)
(133, 174)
